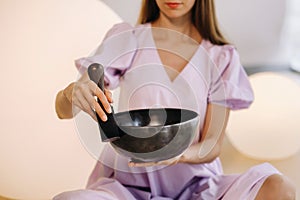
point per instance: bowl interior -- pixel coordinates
(154, 117)
(155, 134)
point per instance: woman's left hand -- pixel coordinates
(171, 161)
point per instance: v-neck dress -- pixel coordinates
(212, 75)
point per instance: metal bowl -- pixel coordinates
(151, 135)
(146, 135)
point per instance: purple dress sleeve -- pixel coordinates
(230, 86)
(115, 53)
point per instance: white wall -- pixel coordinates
(293, 32)
(126, 10)
(256, 27)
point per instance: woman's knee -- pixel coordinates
(277, 187)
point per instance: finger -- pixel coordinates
(165, 162)
(148, 164)
(88, 109)
(101, 96)
(85, 106)
(77, 98)
(174, 161)
(99, 111)
(94, 105)
(94, 116)
(171, 161)
(108, 95)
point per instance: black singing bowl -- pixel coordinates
(151, 135)
(146, 135)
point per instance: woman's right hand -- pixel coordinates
(82, 95)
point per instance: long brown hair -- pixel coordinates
(203, 18)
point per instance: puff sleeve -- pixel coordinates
(115, 53)
(230, 86)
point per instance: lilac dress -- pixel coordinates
(213, 75)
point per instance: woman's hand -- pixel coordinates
(81, 95)
(171, 161)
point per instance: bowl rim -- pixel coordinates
(196, 117)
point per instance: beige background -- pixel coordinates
(39, 154)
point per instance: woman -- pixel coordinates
(175, 57)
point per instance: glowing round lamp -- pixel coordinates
(270, 128)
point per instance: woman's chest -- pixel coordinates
(147, 84)
(175, 56)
